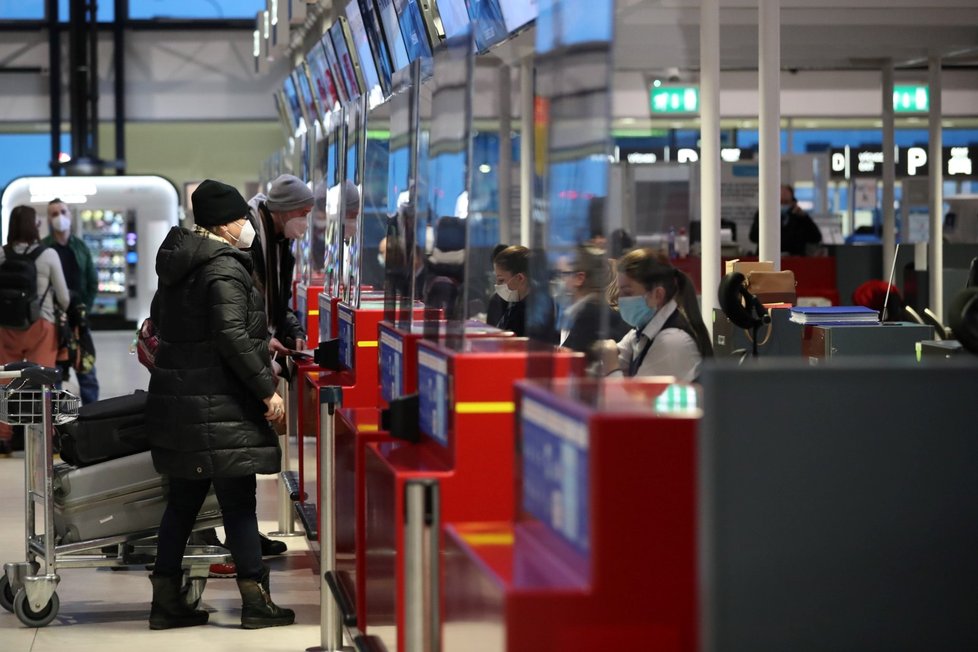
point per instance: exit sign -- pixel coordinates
(675, 99)
(911, 99)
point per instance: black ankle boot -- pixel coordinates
(257, 608)
(169, 609)
(271, 546)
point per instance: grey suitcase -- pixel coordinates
(116, 497)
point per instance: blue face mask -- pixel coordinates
(635, 311)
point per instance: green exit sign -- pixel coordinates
(911, 99)
(675, 99)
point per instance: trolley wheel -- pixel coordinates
(32, 618)
(6, 593)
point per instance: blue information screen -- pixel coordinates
(392, 32)
(454, 17)
(555, 471)
(344, 324)
(433, 396)
(412, 29)
(325, 318)
(391, 366)
(489, 26)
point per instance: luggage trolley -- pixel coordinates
(33, 401)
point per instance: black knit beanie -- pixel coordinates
(216, 203)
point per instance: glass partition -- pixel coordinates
(373, 191)
(313, 244)
(398, 245)
(568, 266)
(447, 127)
(334, 176)
(350, 198)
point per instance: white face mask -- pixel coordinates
(246, 237)
(380, 259)
(295, 228)
(510, 296)
(61, 223)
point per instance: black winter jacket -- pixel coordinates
(204, 412)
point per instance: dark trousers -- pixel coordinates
(238, 507)
(88, 387)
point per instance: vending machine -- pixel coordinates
(123, 221)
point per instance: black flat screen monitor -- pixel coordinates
(518, 13)
(454, 17)
(344, 56)
(365, 54)
(309, 100)
(292, 101)
(413, 29)
(333, 59)
(375, 35)
(322, 77)
(488, 22)
(392, 33)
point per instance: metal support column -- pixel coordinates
(54, 83)
(505, 171)
(769, 67)
(286, 513)
(527, 134)
(935, 258)
(331, 625)
(422, 524)
(119, 52)
(710, 154)
(889, 171)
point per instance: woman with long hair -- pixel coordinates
(37, 340)
(658, 301)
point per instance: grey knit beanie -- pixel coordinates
(288, 193)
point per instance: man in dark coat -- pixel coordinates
(210, 398)
(279, 218)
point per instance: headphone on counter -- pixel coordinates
(741, 307)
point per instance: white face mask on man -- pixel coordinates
(61, 223)
(295, 228)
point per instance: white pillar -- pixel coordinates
(527, 134)
(935, 258)
(709, 156)
(889, 171)
(769, 68)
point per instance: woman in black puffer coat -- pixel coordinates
(211, 396)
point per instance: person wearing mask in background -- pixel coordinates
(36, 340)
(658, 301)
(392, 261)
(496, 305)
(80, 275)
(534, 318)
(211, 396)
(587, 316)
(800, 236)
(278, 218)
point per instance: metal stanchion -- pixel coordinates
(422, 627)
(290, 395)
(331, 625)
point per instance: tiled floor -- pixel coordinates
(107, 611)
